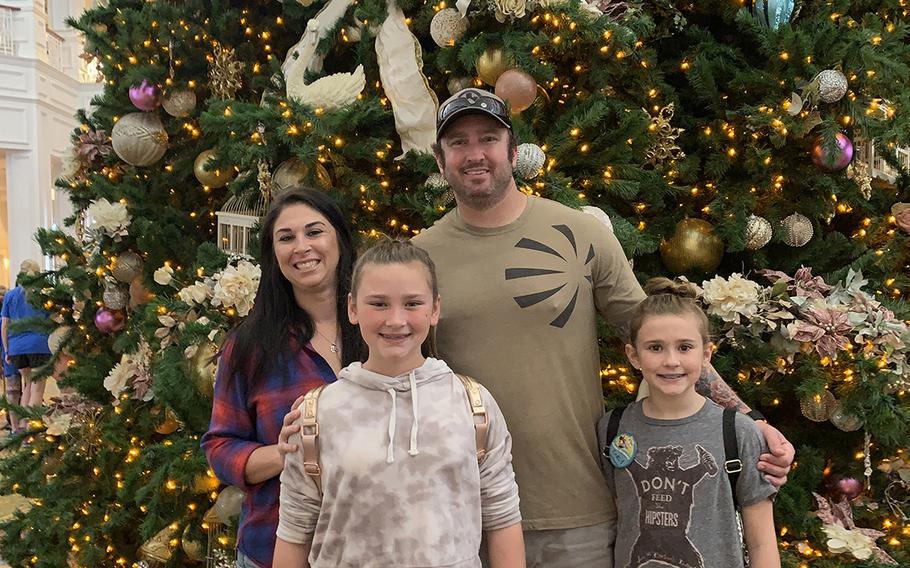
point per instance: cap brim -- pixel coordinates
(466, 111)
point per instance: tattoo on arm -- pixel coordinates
(711, 385)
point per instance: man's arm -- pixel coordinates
(775, 464)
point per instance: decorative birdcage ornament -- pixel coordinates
(221, 541)
(236, 221)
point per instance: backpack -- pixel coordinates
(309, 427)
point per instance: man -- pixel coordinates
(521, 281)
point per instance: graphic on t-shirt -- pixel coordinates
(528, 300)
(665, 497)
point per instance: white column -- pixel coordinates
(25, 205)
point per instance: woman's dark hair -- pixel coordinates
(262, 342)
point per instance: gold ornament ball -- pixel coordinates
(517, 88)
(213, 178)
(139, 138)
(203, 362)
(157, 549)
(758, 232)
(817, 408)
(323, 178)
(194, 549)
(126, 266)
(694, 246)
(179, 103)
(168, 424)
(490, 65)
(796, 230)
(228, 504)
(289, 173)
(844, 420)
(139, 294)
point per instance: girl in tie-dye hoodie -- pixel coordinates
(401, 485)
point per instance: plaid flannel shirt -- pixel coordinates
(246, 417)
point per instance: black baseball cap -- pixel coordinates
(471, 101)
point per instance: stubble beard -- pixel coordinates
(499, 187)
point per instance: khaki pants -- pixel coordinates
(583, 547)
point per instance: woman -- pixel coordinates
(296, 337)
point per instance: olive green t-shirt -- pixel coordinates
(519, 307)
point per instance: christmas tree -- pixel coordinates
(714, 137)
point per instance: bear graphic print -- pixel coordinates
(666, 497)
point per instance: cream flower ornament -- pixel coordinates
(164, 275)
(854, 542)
(110, 218)
(59, 424)
(195, 293)
(731, 298)
(236, 286)
(510, 9)
(117, 380)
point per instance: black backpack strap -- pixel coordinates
(613, 426)
(733, 465)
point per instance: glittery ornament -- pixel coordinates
(598, 214)
(858, 171)
(530, 160)
(179, 103)
(208, 176)
(773, 13)
(436, 181)
(796, 230)
(288, 174)
(693, 246)
(832, 85)
(664, 147)
(447, 27)
(127, 266)
(145, 96)
(456, 84)
(832, 161)
(225, 73)
(115, 297)
(758, 232)
(139, 138)
(817, 408)
(843, 420)
(109, 321)
(157, 548)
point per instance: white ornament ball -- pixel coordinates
(599, 214)
(179, 103)
(797, 230)
(115, 297)
(139, 138)
(447, 27)
(758, 232)
(832, 85)
(530, 159)
(436, 181)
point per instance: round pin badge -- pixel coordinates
(623, 449)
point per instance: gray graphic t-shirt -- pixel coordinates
(674, 501)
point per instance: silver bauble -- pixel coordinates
(115, 297)
(844, 420)
(758, 232)
(530, 160)
(139, 138)
(179, 103)
(447, 27)
(599, 214)
(127, 266)
(832, 85)
(796, 230)
(456, 84)
(436, 181)
(818, 408)
(288, 174)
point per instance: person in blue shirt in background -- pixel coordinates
(25, 350)
(12, 381)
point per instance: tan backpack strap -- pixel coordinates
(478, 412)
(309, 432)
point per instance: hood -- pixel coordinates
(431, 370)
(407, 385)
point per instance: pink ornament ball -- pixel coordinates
(832, 161)
(109, 321)
(146, 96)
(517, 88)
(849, 487)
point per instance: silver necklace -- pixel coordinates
(333, 345)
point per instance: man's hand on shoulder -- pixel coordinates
(775, 464)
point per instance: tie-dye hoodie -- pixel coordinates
(401, 482)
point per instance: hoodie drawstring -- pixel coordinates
(390, 456)
(412, 450)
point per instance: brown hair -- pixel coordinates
(669, 297)
(394, 251)
(399, 251)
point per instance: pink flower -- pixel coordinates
(802, 283)
(824, 328)
(901, 212)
